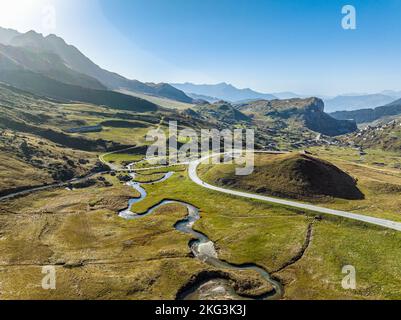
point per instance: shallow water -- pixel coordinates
(203, 249)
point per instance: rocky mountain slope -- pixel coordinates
(370, 115)
(76, 61)
(33, 149)
(221, 113)
(355, 102)
(385, 136)
(298, 112)
(44, 63)
(6, 35)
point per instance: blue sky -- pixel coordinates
(269, 45)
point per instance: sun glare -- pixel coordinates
(23, 15)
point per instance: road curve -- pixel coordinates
(113, 167)
(193, 175)
(49, 186)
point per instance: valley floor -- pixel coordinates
(98, 255)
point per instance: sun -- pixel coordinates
(23, 15)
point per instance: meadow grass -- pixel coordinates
(119, 158)
(97, 255)
(251, 231)
(148, 259)
(381, 187)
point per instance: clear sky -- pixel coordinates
(268, 45)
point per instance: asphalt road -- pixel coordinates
(49, 186)
(192, 171)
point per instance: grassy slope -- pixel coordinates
(250, 231)
(374, 253)
(113, 258)
(134, 259)
(149, 178)
(44, 165)
(163, 102)
(380, 186)
(289, 175)
(42, 123)
(44, 86)
(122, 259)
(95, 115)
(118, 158)
(214, 212)
(147, 259)
(385, 137)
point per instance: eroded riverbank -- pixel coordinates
(207, 285)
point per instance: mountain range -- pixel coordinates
(359, 101)
(370, 115)
(229, 93)
(222, 91)
(53, 58)
(48, 66)
(28, 57)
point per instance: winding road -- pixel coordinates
(49, 186)
(113, 167)
(193, 175)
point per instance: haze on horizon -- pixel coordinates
(269, 45)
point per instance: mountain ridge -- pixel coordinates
(309, 112)
(41, 85)
(77, 61)
(6, 35)
(223, 91)
(370, 115)
(384, 136)
(355, 102)
(46, 63)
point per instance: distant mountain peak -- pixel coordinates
(356, 102)
(29, 39)
(33, 33)
(367, 115)
(6, 35)
(309, 111)
(54, 38)
(225, 84)
(223, 91)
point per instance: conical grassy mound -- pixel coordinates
(292, 176)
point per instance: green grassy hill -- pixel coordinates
(221, 112)
(291, 175)
(47, 87)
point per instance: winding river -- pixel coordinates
(202, 249)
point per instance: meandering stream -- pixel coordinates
(202, 248)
